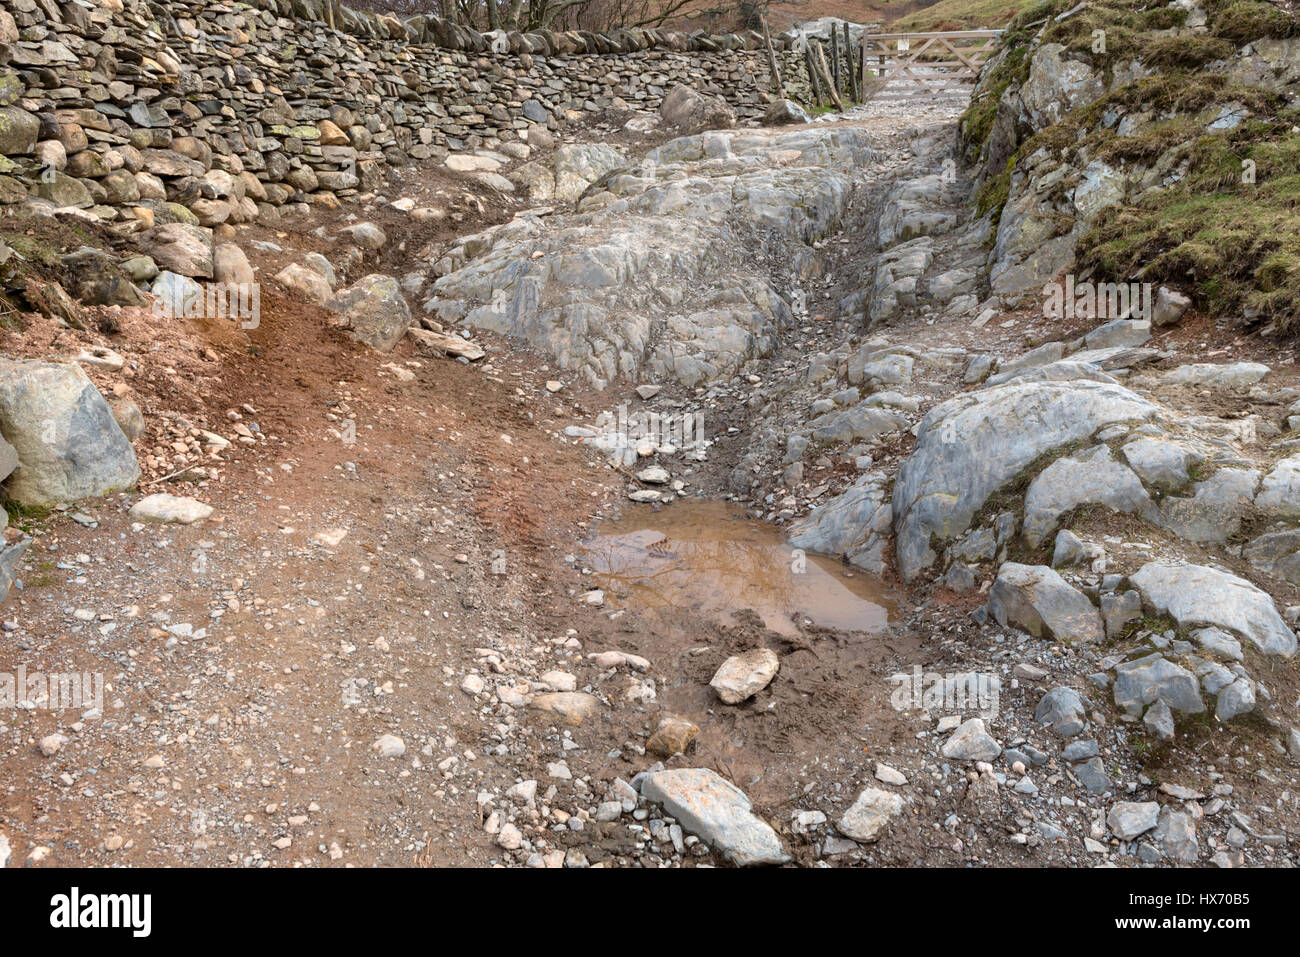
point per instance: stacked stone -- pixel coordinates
(212, 114)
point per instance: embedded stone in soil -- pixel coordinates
(707, 558)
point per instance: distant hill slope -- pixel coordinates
(959, 15)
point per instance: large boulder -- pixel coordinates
(182, 248)
(69, 445)
(785, 112)
(18, 131)
(577, 166)
(852, 526)
(1092, 477)
(374, 311)
(970, 446)
(1038, 600)
(306, 282)
(1196, 596)
(693, 112)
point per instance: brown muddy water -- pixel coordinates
(707, 558)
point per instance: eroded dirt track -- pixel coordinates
(337, 668)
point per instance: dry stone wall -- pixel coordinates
(144, 113)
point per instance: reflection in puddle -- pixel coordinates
(707, 558)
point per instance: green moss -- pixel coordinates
(26, 517)
(1237, 242)
(32, 249)
(992, 194)
(1234, 242)
(1128, 32)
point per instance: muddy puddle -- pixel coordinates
(707, 559)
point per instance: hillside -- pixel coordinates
(958, 15)
(1179, 130)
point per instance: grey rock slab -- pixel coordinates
(1079, 751)
(870, 815)
(1154, 678)
(1092, 477)
(1196, 595)
(1068, 550)
(578, 166)
(1279, 491)
(718, 812)
(1215, 510)
(1119, 333)
(1218, 642)
(851, 526)
(69, 446)
(1118, 609)
(970, 446)
(1092, 775)
(1176, 834)
(1159, 463)
(1129, 819)
(660, 286)
(1235, 699)
(971, 742)
(1159, 721)
(1204, 375)
(1277, 553)
(1038, 600)
(862, 421)
(1045, 354)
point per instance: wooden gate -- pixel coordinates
(924, 63)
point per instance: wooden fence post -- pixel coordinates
(771, 58)
(826, 75)
(835, 59)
